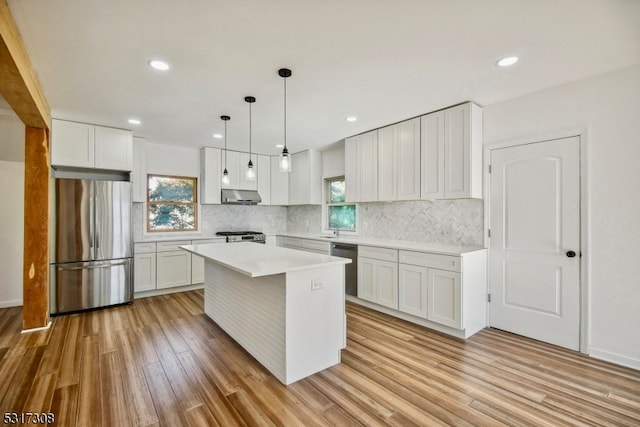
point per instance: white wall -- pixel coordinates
(606, 109)
(12, 213)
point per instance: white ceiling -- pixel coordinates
(381, 60)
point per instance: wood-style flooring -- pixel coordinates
(161, 361)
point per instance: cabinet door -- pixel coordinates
(299, 178)
(144, 272)
(366, 279)
(386, 283)
(457, 151)
(197, 269)
(243, 182)
(139, 172)
(444, 303)
(368, 167)
(173, 269)
(264, 179)
(386, 164)
(412, 290)
(279, 184)
(352, 171)
(407, 168)
(210, 175)
(72, 144)
(432, 154)
(233, 167)
(113, 149)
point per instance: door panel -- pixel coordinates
(113, 220)
(74, 220)
(534, 221)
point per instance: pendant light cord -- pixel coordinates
(285, 113)
(250, 131)
(225, 144)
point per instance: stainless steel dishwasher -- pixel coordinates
(351, 270)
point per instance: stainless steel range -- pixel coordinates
(243, 236)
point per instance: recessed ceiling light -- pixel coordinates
(351, 119)
(279, 146)
(505, 62)
(217, 135)
(159, 65)
(134, 121)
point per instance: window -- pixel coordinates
(340, 214)
(172, 203)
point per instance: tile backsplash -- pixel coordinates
(224, 218)
(454, 222)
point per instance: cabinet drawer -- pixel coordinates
(292, 242)
(425, 259)
(316, 246)
(374, 252)
(171, 246)
(144, 248)
(207, 241)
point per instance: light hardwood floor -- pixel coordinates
(161, 361)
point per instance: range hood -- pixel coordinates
(240, 197)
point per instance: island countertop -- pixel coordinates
(256, 260)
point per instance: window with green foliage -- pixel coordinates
(341, 215)
(172, 203)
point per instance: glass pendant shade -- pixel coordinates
(285, 161)
(225, 178)
(251, 173)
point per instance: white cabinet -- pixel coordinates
(264, 178)
(88, 146)
(378, 275)
(361, 167)
(237, 167)
(279, 184)
(144, 267)
(210, 175)
(399, 161)
(445, 304)
(139, 171)
(412, 290)
(451, 153)
(308, 245)
(305, 178)
(173, 265)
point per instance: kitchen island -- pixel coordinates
(285, 307)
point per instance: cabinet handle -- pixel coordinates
(571, 254)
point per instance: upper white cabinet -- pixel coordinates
(361, 167)
(279, 184)
(305, 178)
(451, 147)
(236, 163)
(89, 146)
(264, 178)
(139, 171)
(210, 175)
(399, 161)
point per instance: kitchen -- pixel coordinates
(600, 106)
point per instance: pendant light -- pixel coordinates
(225, 175)
(285, 158)
(250, 175)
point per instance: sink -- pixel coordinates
(329, 237)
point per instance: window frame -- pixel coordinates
(328, 204)
(193, 203)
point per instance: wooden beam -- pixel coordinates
(18, 81)
(35, 312)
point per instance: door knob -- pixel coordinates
(571, 254)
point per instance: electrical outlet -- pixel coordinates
(316, 284)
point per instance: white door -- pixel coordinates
(534, 267)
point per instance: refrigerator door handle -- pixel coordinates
(90, 267)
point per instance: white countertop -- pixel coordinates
(391, 244)
(257, 260)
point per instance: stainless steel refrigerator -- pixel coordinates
(92, 264)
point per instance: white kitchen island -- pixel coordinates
(285, 307)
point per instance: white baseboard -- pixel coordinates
(165, 291)
(43, 328)
(618, 359)
(11, 303)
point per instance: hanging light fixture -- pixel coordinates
(251, 173)
(225, 175)
(285, 158)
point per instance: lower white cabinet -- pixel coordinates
(144, 267)
(308, 245)
(444, 298)
(173, 265)
(197, 262)
(412, 290)
(378, 277)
